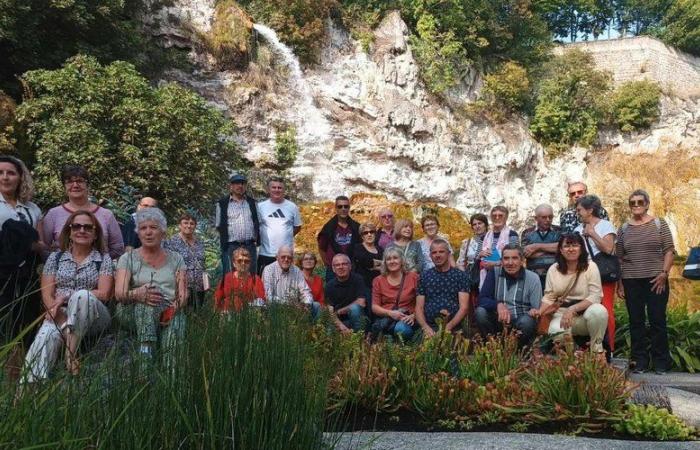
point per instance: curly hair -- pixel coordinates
(25, 189)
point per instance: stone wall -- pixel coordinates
(642, 57)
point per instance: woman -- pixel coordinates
(239, 287)
(431, 226)
(470, 248)
(599, 237)
(308, 262)
(75, 285)
(367, 257)
(385, 234)
(394, 297)
(573, 282)
(151, 286)
(494, 241)
(403, 241)
(645, 250)
(192, 251)
(75, 180)
(19, 255)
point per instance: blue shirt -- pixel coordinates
(441, 291)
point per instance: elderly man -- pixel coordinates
(237, 222)
(540, 242)
(385, 236)
(131, 239)
(345, 295)
(510, 296)
(568, 219)
(339, 235)
(280, 221)
(443, 291)
(284, 282)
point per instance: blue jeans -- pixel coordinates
(488, 323)
(227, 255)
(400, 329)
(354, 317)
(315, 311)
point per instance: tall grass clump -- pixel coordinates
(247, 381)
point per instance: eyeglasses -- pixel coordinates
(75, 181)
(367, 232)
(571, 245)
(342, 206)
(285, 257)
(386, 216)
(82, 226)
(634, 203)
(575, 193)
(241, 260)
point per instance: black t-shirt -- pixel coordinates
(340, 294)
(364, 262)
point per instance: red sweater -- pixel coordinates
(240, 292)
(316, 286)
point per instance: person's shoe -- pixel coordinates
(661, 371)
(639, 370)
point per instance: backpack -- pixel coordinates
(691, 270)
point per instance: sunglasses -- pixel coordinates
(82, 226)
(342, 206)
(575, 193)
(367, 232)
(634, 203)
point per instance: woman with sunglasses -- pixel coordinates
(75, 285)
(367, 257)
(239, 287)
(76, 184)
(573, 282)
(645, 250)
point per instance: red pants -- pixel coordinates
(608, 302)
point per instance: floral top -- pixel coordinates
(72, 276)
(569, 220)
(412, 253)
(194, 259)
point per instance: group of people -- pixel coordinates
(378, 278)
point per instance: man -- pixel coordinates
(131, 238)
(510, 296)
(443, 291)
(280, 221)
(237, 222)
(540, 242)
(339, 235)
(568, 219)
(385, 236)
(284, 282)
(345, 295)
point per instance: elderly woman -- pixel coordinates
(307, 263)
(385, 234)
(394, 297)
(645, 250)
(403, 241)
(573, 283)
(494, 241)
(76, 182)
(599, 237)
(151, 286)
(19, 250)
(75, 285)
(367, 257)
(192, 251)
(239, 287)
(431, 227)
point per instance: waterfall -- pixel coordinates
(314, 125)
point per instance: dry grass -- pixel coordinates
(230, 37)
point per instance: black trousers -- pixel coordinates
(642, 304)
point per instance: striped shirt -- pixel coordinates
(641, 248)
(285, 287)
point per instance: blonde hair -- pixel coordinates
(392, 251)
(25, 189)
(399, 225)
(367, 226)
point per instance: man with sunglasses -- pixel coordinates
(339, 235)
(568, 219)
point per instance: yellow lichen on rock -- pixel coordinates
(230, 37)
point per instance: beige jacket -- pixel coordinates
(588, 286)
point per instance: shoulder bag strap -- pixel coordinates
(562, 298)
(588, 246)
(398, 296)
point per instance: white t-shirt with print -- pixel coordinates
(277, 222)
(603, 228)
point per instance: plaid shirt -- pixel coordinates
(569, 220)
(283, 286)
(240, 221)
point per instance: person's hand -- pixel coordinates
(428, 332)
(530, 250)
(567, 319)
(658, 283)
(503, 313)
(588, 229)
(409, 319)
(489, 264)
(396, 315)
(485, 252)
(534, 313)
(620, 290)
(149, 295)
(344, 330)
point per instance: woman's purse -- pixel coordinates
(548, 314)
(388, 323)
(608, 265)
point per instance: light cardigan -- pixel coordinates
(587, 287)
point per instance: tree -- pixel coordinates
(165, 141)
(681, 26)
(635, 105)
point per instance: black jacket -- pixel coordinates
(16, 255)
(222, 226)
(325, 236)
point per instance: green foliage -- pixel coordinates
(681, 26)
(362, 16)
(507, 90)
(654, 423)
(570, 102)
(229, 39)
(440, 55)
(165, 141)
(286, 147)
(7, 118)
(635, 105)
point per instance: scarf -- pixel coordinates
(503, 240)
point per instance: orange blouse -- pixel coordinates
(235, 289)
(316, 286)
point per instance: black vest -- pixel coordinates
(222, 226)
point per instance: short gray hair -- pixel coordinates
(441, 241)
(154, 214)
(640, 193)
(544, 206)
(511, 246)
(392, 251)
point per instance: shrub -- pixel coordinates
(229, 39)
(635, 105)
(127, 133)
(7, 118)
(570, 102)
(654, 423)
(507, 90)
(286, 147)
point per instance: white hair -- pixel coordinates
(154, 214)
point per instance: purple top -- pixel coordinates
(54, 220)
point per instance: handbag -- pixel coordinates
(608, 265)
(387, 323)
(691, 270)
(546, 316)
